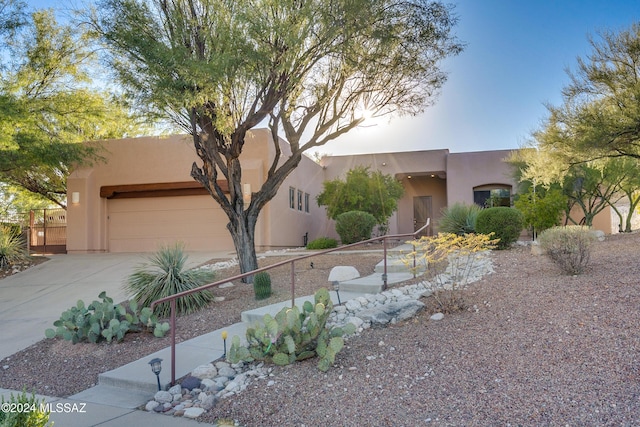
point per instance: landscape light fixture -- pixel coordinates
(156, 367)
(336, 287)
(224, 342)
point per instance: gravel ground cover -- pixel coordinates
(535, 348)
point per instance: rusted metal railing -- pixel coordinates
(172, 298)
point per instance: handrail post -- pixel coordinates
(173, 341)
(293, 284)
(384, 275)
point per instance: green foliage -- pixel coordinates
(504, 223)
(165, 275)
(262, 285)
(294, 334)
(569, 247)
(12, 247)
(224, 66)
(322, 243)
(354, 226)
(28, 411)
(459, 219)
(449, 260)
(102, 320)
(49, 108)
(542, 208)
(362, 190)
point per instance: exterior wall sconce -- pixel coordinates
(246, 192)
(75, 197)
(156, 367)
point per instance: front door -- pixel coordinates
(421, 212)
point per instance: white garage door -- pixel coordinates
(145, 224)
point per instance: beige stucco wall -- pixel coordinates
(473, 169)
(420, 165)
(146, 223)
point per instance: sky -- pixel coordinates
(515, 61)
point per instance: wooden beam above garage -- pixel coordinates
(162, 189)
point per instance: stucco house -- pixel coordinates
(142, 196)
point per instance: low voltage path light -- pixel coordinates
(224, 342)
(156, 367)
(336, 287)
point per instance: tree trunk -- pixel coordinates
(242, 228)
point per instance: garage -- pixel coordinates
(145, 224)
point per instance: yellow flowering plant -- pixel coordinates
(449, 260)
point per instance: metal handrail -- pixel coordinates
(172, 298)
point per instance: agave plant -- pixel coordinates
(459, 219)
(11, 248)
(165, 275)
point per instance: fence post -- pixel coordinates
(173, 341)
(293, 284)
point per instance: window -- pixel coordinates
(306, 202)
(299, 200)
(492, 197)
(292, 195)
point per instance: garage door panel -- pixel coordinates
(145, 224)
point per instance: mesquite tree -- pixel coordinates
(309, 69)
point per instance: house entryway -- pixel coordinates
(422, 207)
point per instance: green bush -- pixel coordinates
(322, 243)
(165, 276)
(25, 411)
(505, 223)
(12, 247)
(354, 226)
(459, 219)
(569, 247)
(262, 285)
(102, 320)
(294, 334)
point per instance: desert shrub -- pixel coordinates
(322, 243)
(294, 334)
(102, 320)
(354, 226)
(166, 275)
(12, 247)
(459, 219)
(505, 224)
(569, 247)
(24, 411)
(262, 285)
(450, 260)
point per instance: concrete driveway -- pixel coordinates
(32, 300)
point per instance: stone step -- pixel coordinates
(373, 283)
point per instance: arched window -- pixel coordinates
(492, 195)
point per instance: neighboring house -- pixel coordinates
(142, 195)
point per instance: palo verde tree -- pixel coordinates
(48, 106)
(307, 69)
(362, 190)
(600, 113)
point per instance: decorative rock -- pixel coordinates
(190, 383)
(163, 397)
(193, 412)
(205, 371)
(176, 389)
(353, 305)
(226, 285)
(207, 382)
(341, 273)
(220, 364)
(437, 316)
(227, 372)
(208, 402)
(401, 310)
(151, 405)
(357, 322)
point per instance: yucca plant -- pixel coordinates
(12, 248)
(459, 219)
(165, 275)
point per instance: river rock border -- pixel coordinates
(208, 383)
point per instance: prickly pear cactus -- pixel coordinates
(294, 334)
